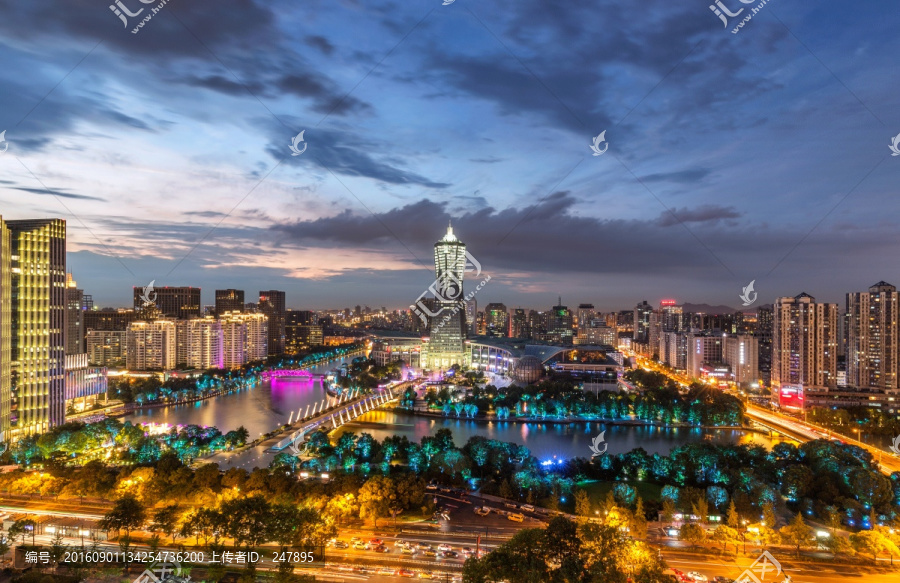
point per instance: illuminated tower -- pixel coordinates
(446, 345)
(38, 311)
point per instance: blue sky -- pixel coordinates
(761, 155)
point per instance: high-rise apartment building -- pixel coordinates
(151, 345)
(34, 303)
(106, 347)
(245, 338)
(642, 322)
(173, 302)
(74, 317)
(496, 320)
(519, 324)
(765, 322)
(670, 316)
(561, 327)
(446, 342)
(229, 300)
(873, 344)
(804, 344)
(272, 304)
(741, 353)
(585, 316)
(471, 321)
(202, 342)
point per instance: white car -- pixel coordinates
(445, 547)
(697, 577)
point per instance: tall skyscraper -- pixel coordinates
(74, 317)
(519, 324)
(37, 313)
(804, 345)
(642, 322)
(446, 343)
(174, 302)
(765, 322)
(562, 325)
(272, 304)
(6, 354)
(585, 316)
(670, 316)
(229, 300)
(741, 352)
(496, 320)
(873, 344)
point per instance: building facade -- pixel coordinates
(496, 320)
(182, 303)
(446, 337)
(151, 345)
(245, 338)
(272, 304)
(229, 300)
(35, 401)
(742, 355)
(106, 347)
(74, 317)
(804, 344)
(85, 384)
(872, 337)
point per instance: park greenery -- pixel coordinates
(118, 442)
(565, 400)
(569, 552)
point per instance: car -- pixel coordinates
(446, 490)
(360, 546)
(400, 543)
(355, 539)
(444, 547)
(381, 549)
(516, 517)
(528, 507)
(341, 545)
(468, 550)
(449, 555)
(510, 505)
(429, 553)
(405, 573)
(407, 551)
(431, 487)
(482, 511)
(695, 576)
(423, 546)
(376, 541)
(426, 575)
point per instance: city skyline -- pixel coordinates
(779, 173)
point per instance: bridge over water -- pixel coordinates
(334, 412)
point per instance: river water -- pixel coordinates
(270, 404)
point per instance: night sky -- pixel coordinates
(762, 155)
